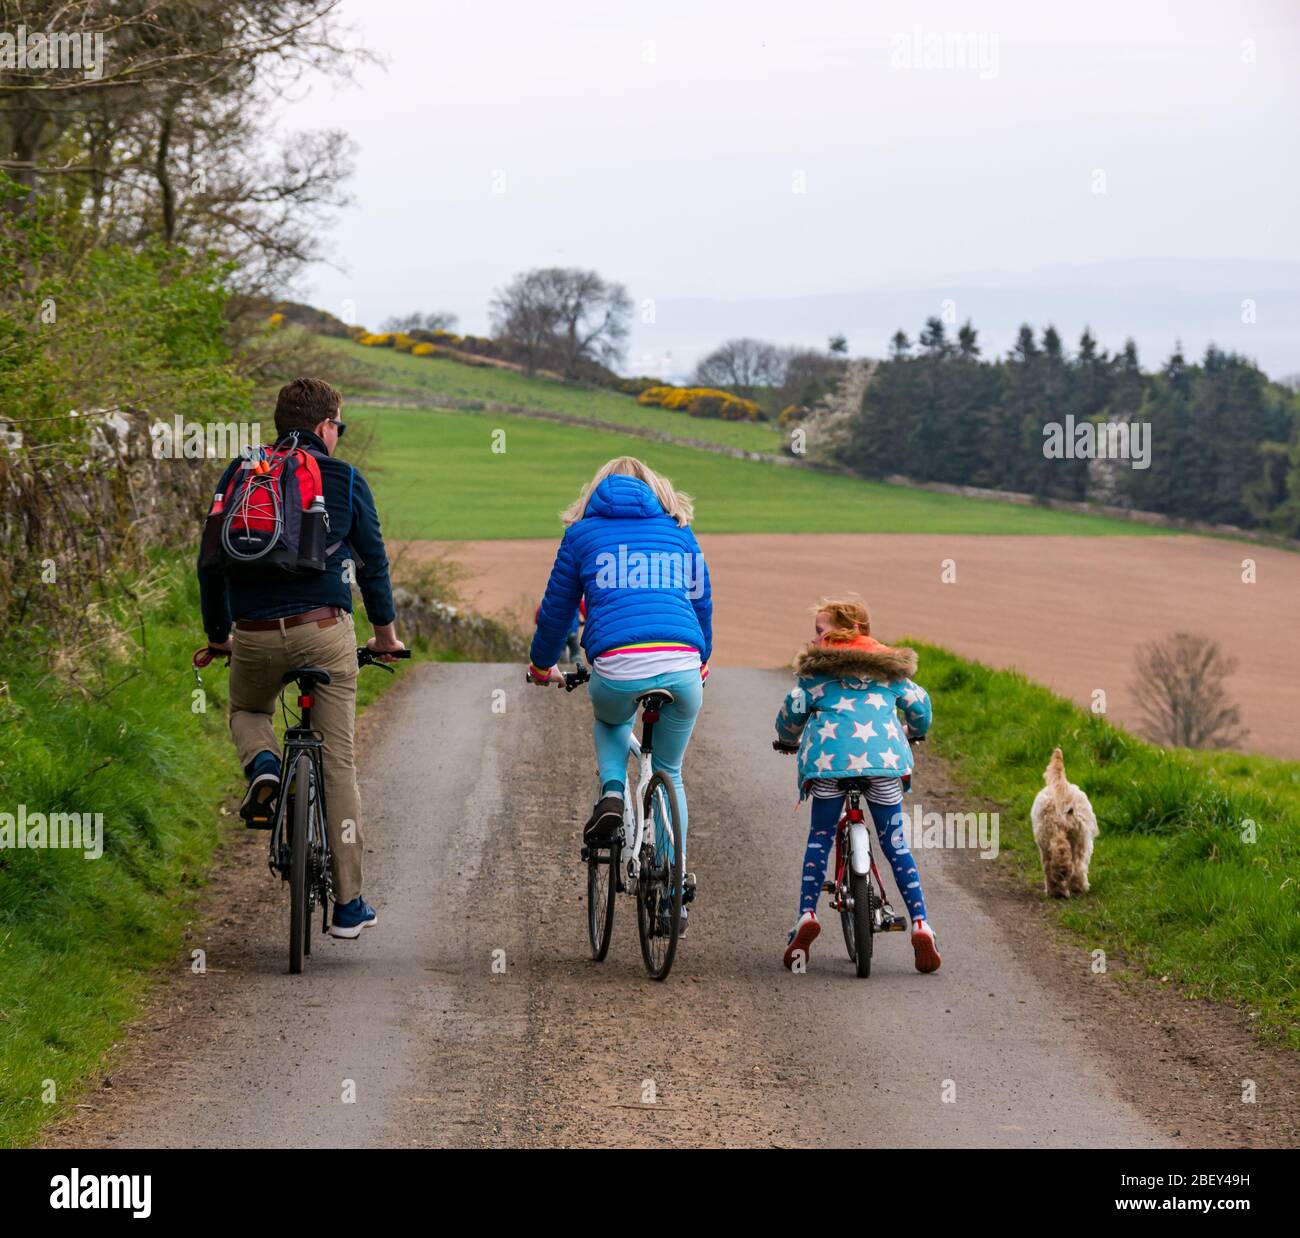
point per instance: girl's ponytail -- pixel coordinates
(849, 619)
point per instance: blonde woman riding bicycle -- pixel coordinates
(628, 550)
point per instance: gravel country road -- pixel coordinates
(473, 819)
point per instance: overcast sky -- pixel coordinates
(665, 144)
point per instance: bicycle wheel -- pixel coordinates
(299, 864)
(842, 893)
(602, 886)
(309, 911)
(659, 888)
(317, 886)
(846, 923)
(864, 921)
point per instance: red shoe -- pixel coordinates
(927, 953)
(802, 937)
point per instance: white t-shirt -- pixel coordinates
(647, 659)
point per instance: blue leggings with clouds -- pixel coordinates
(889, 821)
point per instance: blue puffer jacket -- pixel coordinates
(643, 576)
(843, 711)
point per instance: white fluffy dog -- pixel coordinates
(1064, 827)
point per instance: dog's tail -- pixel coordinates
(1057, 782)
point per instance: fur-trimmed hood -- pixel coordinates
(882, 663)
(844, 711)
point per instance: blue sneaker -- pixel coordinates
(350, 918)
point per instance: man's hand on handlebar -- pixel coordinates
(367, 656)
(385, 642)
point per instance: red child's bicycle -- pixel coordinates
(864, 909)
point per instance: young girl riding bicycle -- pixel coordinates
(843, 714)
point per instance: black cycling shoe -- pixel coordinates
(605, 820)
(258, 808)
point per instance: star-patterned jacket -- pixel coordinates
(845, 706)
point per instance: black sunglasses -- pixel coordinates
(340, 426)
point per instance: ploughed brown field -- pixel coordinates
(1069, 612)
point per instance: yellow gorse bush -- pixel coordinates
(702, 402)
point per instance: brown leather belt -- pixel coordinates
(322, 617)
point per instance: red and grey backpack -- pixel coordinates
(271, 514)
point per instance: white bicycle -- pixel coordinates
(638, 860)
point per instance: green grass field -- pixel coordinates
(436, 476)
(1194, 873)
(434, 377)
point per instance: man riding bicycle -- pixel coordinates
(285, 619)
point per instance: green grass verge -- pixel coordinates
(79, 937)
(436, 376)
(1175, 885)
(435, 475)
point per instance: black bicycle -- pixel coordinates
(300, 848)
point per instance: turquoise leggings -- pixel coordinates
(614, 703)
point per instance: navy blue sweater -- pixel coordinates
(353, 521)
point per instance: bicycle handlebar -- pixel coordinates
(788, 749)
(568, 679)
(205, 655)
(368, 657)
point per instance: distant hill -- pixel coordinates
(1156, 301)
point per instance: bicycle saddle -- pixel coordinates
(656, 699)
(853, 784)
(308, 676)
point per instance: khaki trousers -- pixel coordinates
(257, 662)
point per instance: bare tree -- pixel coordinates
(743, 366)
(525, 318)
(1181, 689)
(809, 377)
(563, 316)
(168, 138)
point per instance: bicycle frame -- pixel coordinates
(852, 849)
(634, 819)
(297, 740)
(854, 856)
